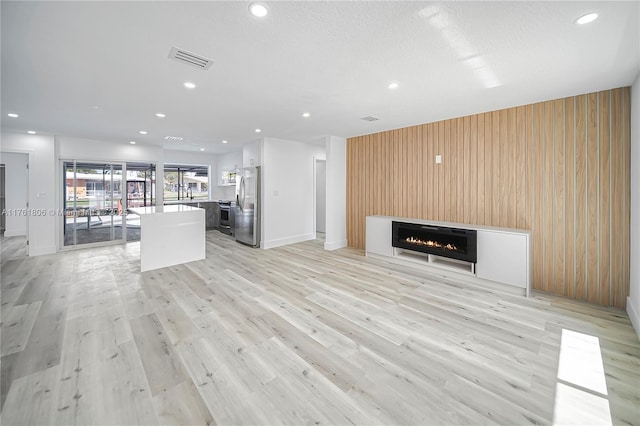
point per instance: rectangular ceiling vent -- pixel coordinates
(369, 118)
(190, 58)
(173, 138)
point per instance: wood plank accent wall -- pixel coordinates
(559, 168)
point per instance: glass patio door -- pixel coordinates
(92, 202)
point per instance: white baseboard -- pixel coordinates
(15, 232)
(40, 251)
(334, 245)
(286, 241)
(634, 316)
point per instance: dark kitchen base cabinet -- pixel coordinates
(212, 215)
(211, 212)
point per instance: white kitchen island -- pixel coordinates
(170, 235)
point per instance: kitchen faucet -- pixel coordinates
(190, 192)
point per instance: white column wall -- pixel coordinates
(336, 219)
(287, 195)
(633, 301)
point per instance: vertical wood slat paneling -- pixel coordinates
(511, 194)
(520, 169)
(488, 170)
(459, 170)
(538, 224)
(481, 171)
(497, 172)
(604, 203)
(580, 197)
(505, 179)
(559, 168)
(429, 186)
(626, 125)
(547, 199)
(593, 170)
(617, 196)
(473, 169)
(570, 230)
(558, 199)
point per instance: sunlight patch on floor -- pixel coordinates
(581, 391)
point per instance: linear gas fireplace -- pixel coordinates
(442, 241)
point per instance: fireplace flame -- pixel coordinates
(431, 243)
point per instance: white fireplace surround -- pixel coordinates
(504, 254)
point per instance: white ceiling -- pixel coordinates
(331, 59)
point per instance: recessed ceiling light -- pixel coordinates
(95, 107)
(31, 132)
(12, 115)
(306, 115)
(132, 142)
(143, 132)
(225, 141)
(160, 115)
(201, 149)
(258, 130)
(258, 10)
(585, 19)
(189, 85)
(392, 85)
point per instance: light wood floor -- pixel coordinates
(298, 335)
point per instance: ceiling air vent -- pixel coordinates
(190, 58)
(369, 118)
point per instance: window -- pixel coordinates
(186, 182)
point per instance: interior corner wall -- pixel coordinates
(336, 222)
(560, 168)
(633, 301)
(16, 193)
(42, 188)
(287, 191)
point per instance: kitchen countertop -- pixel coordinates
(171, 208)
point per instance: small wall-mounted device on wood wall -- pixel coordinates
(438, 159)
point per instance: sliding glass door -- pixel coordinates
(141, 192)
(92, 202)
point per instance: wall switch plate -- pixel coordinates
(438, 159)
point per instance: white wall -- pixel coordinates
(336, 237)
(633, 301)
(16, 192)
(42, 188)
(287, 191)
(321, 195)
(252, 153)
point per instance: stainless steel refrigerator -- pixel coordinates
(247, 209)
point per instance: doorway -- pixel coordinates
(14, 203)
(321, 196)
